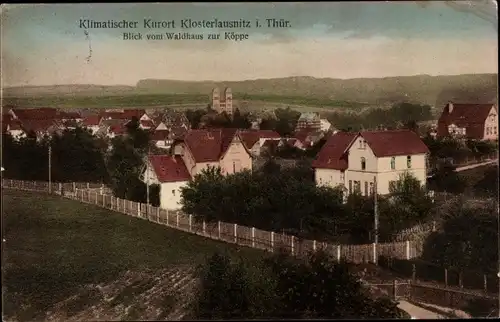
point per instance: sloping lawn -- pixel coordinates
(53, 246)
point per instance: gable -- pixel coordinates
(236, 146)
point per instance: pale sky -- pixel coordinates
(44, 44)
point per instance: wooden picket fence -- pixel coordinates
(227, 232)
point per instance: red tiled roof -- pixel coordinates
(38, 125)
(36, 113)
(126, 114)
(160, 135)
(92, 120)
(394, 143)
(147, 123)
(117, 129)
(209, 145)
(249, 138)
(69, 115)
(469, 116)
(168, 168)
(331, 155)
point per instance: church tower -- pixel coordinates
(228, 98)
(216, 100)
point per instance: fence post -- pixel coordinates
(374, 253)
(158, 214)
(60, 188)
(235, 233)
(190, 219)
(408, 250)
(167, 217)
(177, 219)
(111, 202)
(414, 272)
(338, 253)
(88, 185)
(253, 237)
(485, 281)
(272, 241)
(291, 246)
(395, 289)
(139, 209)
(74, 186)
(460, 277)
(314, 245)
(204, 227)
(218, 228)
(446, 277)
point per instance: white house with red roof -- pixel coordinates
(353, 160)
(475, 121)
(198, 150)
(254, 139)
(171, 174)
(92, 123)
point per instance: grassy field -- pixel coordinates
(181, 102)
(54, 246)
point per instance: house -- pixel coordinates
(44, 113)
(222, 148)
(475, 121)
(162, 139)
(12, 126)
(292, 142)
(171, 174)
(175, 119)
(146, 124)
(41, 128)
(308, 137)
(74, 116)
(125, 114)
(224, 103)
(325, 125)
(354, 160)
(198, 150)
(254, 139)
(91, 122)
(310, 121)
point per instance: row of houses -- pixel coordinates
(355, 161)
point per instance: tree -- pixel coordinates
(241, 121)
(194, 117)
(447, 179)
(286, 288)
(465, 238)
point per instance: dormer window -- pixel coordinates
(393, 163)
(363, 164)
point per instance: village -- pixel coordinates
(352, 160)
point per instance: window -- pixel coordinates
(393, 163)
(342, 176)
(357, 186)
(363, 163)
(487, 131)
(234, 167)
(362, 144)
(495, 130)
(371, 188)
(408, 161)
(350, 186)
(392, 185)
(366, 188)
(173, 192)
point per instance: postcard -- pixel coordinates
(241, 160)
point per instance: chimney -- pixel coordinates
(450, 107)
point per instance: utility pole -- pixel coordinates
(50, 168)
(147, 181)
(375, 210)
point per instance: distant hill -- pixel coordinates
(425, 89)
